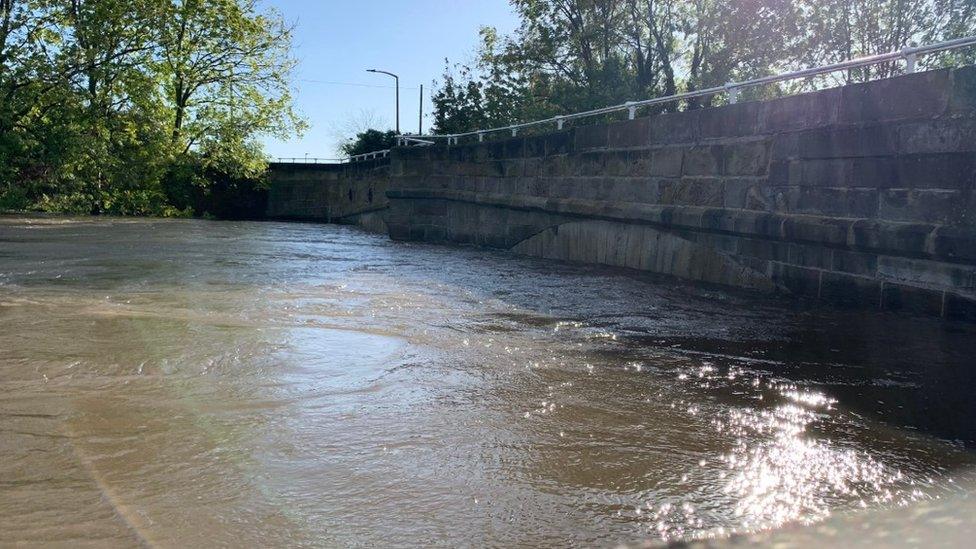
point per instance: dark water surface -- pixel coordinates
(194, 383)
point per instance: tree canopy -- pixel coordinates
(574, 55)
(368, 141)
(131, 106)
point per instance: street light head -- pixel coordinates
(379, 71)
(397, 78)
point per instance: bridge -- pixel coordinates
(861, 195)
(347, 192)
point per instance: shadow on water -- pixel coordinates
(905, 371)
(909, 372)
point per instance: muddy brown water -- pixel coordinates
(198, 383)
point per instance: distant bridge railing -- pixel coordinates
(314, 160)
(307, 160)
(401, 141)
(407, 140)
(369, 156)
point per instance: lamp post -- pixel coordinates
(397, 78)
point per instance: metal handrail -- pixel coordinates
(406, 140)
(369, 155)
(307, 160)
(909, 55)
(401, 141)
(312, 160)
(732, 88)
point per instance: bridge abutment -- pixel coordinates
(352, 193)
(861, 195)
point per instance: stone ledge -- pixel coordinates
(914, 240)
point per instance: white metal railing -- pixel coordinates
(406, 141)
(909, 55)
(311, 160)
(369, 156)
(733, 89)
(401, 141)
(306, 160)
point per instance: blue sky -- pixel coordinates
(336, 41)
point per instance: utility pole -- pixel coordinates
(420, 117)
(397, 78)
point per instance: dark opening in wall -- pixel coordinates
(350, 195)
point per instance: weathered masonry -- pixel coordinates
(861, 195)
(352, 193)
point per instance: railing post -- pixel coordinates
(514, 132)
(910, 57)
(559, 122)
(631, 110)
(733, 93)
(481, 137)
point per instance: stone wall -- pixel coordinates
(352, 193)
(861, 195)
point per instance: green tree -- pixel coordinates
(369, 141)
(31, 82)
(575, 55)
(132, 106)
(125, 152)
(842, 29)
(225, 67)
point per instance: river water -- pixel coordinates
(198, 383)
